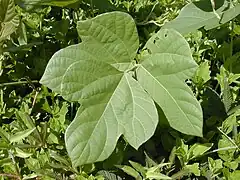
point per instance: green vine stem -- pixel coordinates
(17, 83)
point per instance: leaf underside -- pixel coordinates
(162, 75)
(113, 103)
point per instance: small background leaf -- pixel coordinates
(8, 19)
(21, 135)
(30, 3)
(199, 149)
(200, 14)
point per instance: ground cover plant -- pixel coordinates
(125, 89)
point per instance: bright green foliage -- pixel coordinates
(21, 135)
(193, 168)
(60, 3)
(8, 19)
(112, 102)
(235, 175)
(186, 154)
(145, 173)
(199, 14)
(202, 74)
(198, 150)
(228, 154)
(106, 65)
(215, 165)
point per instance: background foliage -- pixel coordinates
(34, 119)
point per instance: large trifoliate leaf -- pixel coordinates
(112, 102)
(8, 19)
(162, 75)
(200, 14)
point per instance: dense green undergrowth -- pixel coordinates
(144, 89)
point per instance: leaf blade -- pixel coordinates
(199, 14)
(21, 135)
(9, 20)
(115, 32)
(115, 111)
(162, 75)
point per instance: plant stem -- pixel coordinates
(230, 140)
(15, 164)
(34, 100)
(17, 83)
(92, 10)
(231, 43)
(9, 175)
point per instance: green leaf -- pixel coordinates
(236, 29)
(115, 32)
(156, 175)
(22, 154)
(229, 123)
(193, 168)
(149, 162)
(57, 123)
(232, 165)
(25, 120)
(182, 151)
(202, 74)
(232, 64)
(162, 75)
(22, 33)
(108, 175)
(4, 135)
(102, 6)
(81, 54)
(227, 95)
(59, 3)
(21, 135)
(235, 175)
(116, 45)
(139, 168)
(112, 102)
(5, 161)
(59, 158)
(199, 149)
(215, 165)
(200, 14)
(8, 19)
(156, 168)
(126, 110)
(227, 155)
(130, 171)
